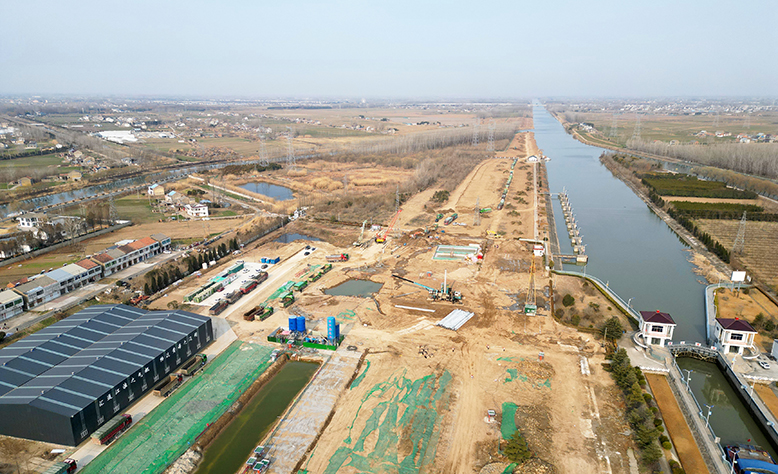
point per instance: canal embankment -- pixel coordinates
(681, 436)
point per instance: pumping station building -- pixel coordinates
(63, 382)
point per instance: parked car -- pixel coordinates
(763, 364)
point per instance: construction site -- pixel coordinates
(434, 332)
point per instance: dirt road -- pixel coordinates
(681, 436)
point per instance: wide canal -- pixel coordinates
(640, 258)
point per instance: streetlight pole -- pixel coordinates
(688, 376)
(707, 418)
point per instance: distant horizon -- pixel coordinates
(402, 50)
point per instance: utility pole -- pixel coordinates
(475, 131)
(290, 159)
(490, 139)
(612, 133)
(636, 132)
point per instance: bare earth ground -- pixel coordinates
(679, 432)
(422, 400)
(747, 306)
(767, 395)
(173, 229)
(760, 256)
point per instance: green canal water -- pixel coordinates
(362, 288)
(228, 453)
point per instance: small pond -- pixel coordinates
(362, 288)
(288, 238)
(279, 193)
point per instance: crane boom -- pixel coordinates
(431, 290)
(381, 237)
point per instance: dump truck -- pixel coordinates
(194, 364)
(261, 276)
(438, 217)
(249, 315)
(258, 313)
(300, 285)
(343, 257)
(314, 277)
(326, 268)
(63, 467)
(263, 313)
(106, 433)
(248, 286)
(233, 296)
(450, 219)
(218, 307)
(287, 300)
(166, 387)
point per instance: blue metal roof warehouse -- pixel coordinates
(62, 382)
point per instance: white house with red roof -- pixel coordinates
(656, 328)
(733, 335)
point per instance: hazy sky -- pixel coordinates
(373, 49)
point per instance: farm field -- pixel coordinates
(768, 205)
(681, 128)
(759, 257)
(50, 160)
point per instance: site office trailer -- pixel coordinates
(107, 387)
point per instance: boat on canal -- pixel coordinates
(749, 459)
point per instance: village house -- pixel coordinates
(156, 190)
(31, 220)
(733, 335)
(38, 291)
(656, 328)
(74, 176)
(11, 304)
(25, 181)
(196, 210)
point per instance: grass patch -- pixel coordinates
(690, 186)
(37, 161)
(686, 206)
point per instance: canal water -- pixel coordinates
(729, 418)
(629, 247)
(362, 288)
(279, 193)
(230, 450)
(640, 258)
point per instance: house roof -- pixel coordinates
(7, 296)
(74, 269)
(142, 243)
(656, 317)
(116, 252)
(735, 324)
(153, 186)
(102, 257)
(160, 237)
(39, 282)
(126, 249)
(87, 263)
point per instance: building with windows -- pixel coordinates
(196, 210)
(656, 328)
(63, 382)
(31, 220)
(38, 290)
(11, 304)
(734, 335)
